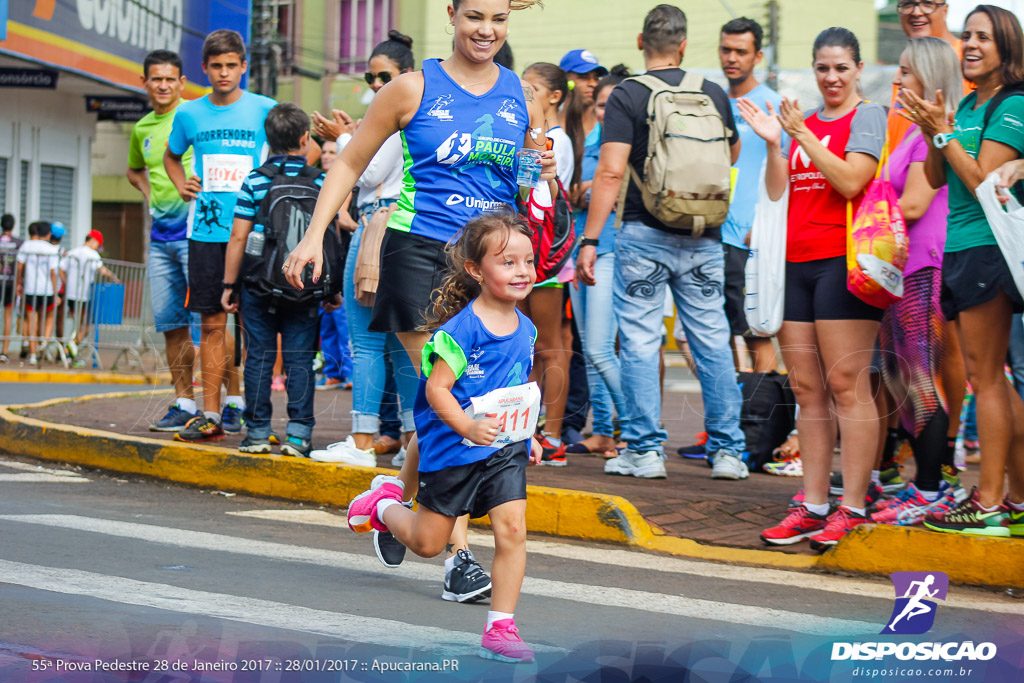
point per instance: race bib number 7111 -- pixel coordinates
(515, 408)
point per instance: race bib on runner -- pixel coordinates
(225, 172)
(515, 408)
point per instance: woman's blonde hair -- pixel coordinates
(459, 287)
(934, 62)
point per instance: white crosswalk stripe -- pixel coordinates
(670, 565)
(34, 474)
(661, 603)
(247, 610)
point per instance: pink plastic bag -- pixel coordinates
(876, 246)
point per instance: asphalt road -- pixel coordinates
(98, 571)
(23, 393)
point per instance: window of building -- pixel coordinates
(56, 193)
(26, 170)
(3, 184)
(364, 23)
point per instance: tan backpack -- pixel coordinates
(685, 182)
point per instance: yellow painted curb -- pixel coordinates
(76, 377)
(559, 512)
(882, 549)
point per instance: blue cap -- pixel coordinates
(581, 62)
(57, 229)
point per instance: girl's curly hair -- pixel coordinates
(472, 244)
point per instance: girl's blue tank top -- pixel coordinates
(460, 153)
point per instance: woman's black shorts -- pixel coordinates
(973, 277)
(816, 290)
(478, 487)
(411, 269)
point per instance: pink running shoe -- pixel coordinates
(502, 643)
(362, 511)
(908, 498)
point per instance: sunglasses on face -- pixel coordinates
(384, 77)
(927, 6)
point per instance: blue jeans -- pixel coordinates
(369, 367)
(168, 284)
(694, 270)
(298, 347)
(597, 327)
(334, 344)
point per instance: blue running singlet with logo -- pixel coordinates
(460, 153)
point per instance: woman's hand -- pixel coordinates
(1010, 173)
(346, 223)
(765, 124)
(792, 118)
(307, 251)
(930, 117)
(548, 165)
(332, 129)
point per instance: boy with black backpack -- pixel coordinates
(272, 213)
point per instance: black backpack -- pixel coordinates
(768, 414)
(285, 213)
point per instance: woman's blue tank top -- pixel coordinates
(460, 153)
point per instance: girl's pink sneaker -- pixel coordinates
(362, 511)
(502, 643)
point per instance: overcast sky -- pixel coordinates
(958, 9)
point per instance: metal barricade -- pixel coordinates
(115, 312)
(59, 307)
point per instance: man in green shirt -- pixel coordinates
(168, 248)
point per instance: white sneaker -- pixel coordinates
(728, 466)
(399, 458)
(32, 360)
(649, 465)
(346, 452)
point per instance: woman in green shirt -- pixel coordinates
(978, 291)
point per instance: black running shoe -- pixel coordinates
(296, 447)
(199, 429)
(231, 419)
(251, 444)
(390, 550)
(467, 581)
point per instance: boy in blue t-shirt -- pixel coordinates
(739, 50)
(287, 129)
(225, 131)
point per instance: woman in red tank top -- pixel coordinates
(828, 335)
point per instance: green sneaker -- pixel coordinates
(969, 518)
(1015, 522)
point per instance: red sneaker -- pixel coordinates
(839, 522)
(798, 525)
(552, 455)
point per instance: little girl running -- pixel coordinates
(481, 344)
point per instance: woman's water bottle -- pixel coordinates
(254, 243)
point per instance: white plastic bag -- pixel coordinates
(1007, 225)
(515, 408)
(765, 273)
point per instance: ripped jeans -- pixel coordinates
(694, 269)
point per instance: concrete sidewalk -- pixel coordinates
(686, 514)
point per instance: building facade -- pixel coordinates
(65, 65)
